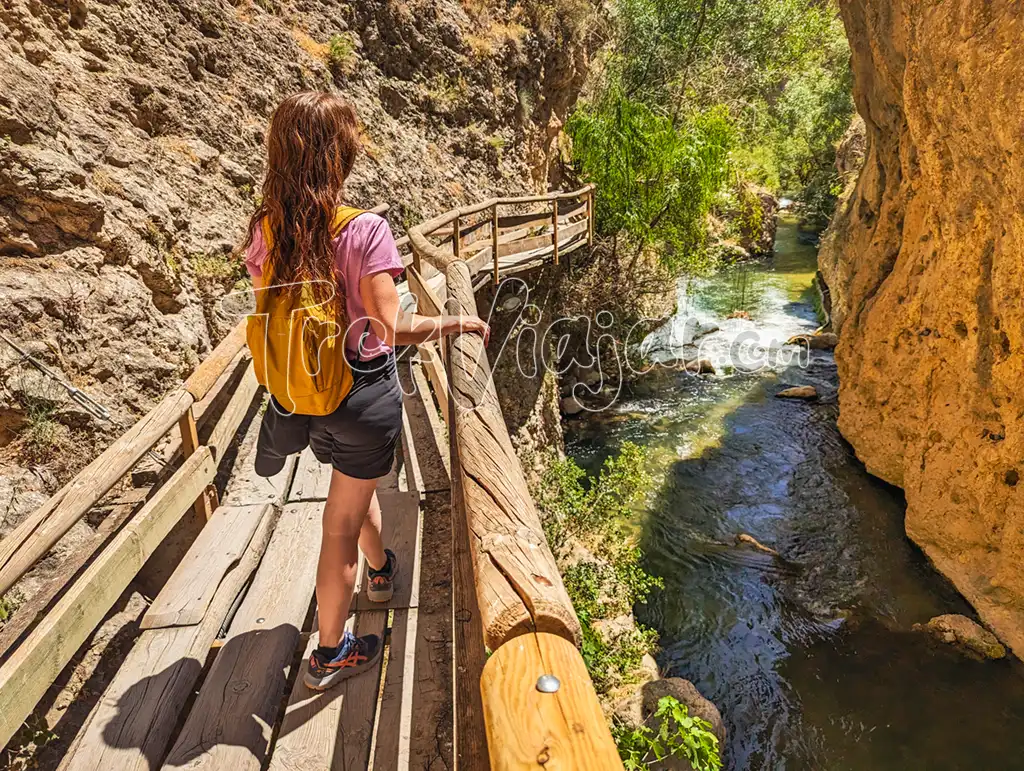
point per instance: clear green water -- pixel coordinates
(809, 657)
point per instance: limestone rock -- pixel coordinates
(806, 393)
(969, 637)
(923, 262)
(570, 405)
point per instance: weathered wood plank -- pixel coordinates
(536, 219)
(400, 531)
(528, 730)
(525, 245)
(35, 664)
(332, 730)
(187, 594)
(246, 486)
(207, 373)
(519, 588)
(132, 726)
(430, 359)
(230, 724)
(234, 413)
(37, 534)
(312, 479)
(70, 564)
(429, 437)
(427, 301)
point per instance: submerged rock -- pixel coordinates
(972, 639)
(745, 539)
(798, 392)
(822, 341)
(700, 367)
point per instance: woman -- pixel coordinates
(312, 144)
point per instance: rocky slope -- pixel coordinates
(926, 272)
(130, 156)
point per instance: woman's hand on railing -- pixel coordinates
(413, 329)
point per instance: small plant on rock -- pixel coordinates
(341, 54)
(679, 735)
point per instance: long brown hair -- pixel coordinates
(311, 147)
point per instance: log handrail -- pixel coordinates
(440, 258)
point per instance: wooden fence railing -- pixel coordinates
(531, 703)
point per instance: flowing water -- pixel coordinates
(809, 656)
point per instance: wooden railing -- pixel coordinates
(531, 703)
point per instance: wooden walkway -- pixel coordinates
(213, 679)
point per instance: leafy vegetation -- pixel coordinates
(698, 98)
(590, 515)
(341, 54)
(679, 735)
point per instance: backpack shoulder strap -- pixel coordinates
(343, 216)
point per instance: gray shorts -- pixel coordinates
(358, 439)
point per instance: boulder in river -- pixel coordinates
(571, 406)
(639, 708)
(822, 341)
(971, 638)
(798, 392)
(700, 367)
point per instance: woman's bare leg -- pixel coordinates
(345, 513)
(370, 542)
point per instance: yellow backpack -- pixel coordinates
(298, 345)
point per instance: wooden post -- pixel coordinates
(554, 232)
(519, 588)
(529, 729)
(457, 238)
(494, 240)
(203, 506)
(590, 218)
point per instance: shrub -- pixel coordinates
(341, 54)
(678, 736)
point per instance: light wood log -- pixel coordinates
(35, 664)
(518, 584)
(554, 229)
(187, 594)
(494, 241)
(207, 373)
(528, 730)
(35, 536)
(427, 301)
(430, 359)
(230, 723)
(205, 503)
(71, 563)
(234, 413)
(132, 726)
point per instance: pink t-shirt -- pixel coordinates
(364, 247)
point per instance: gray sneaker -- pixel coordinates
(381, 586)
(354, 655)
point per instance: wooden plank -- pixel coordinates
(427, 301)
(246, 486)
(229, 726)
(312, 479)
(526, 245)
(535, 219)
(528, 730)
(494, 241)
(468, 637)
(400, 531)
(332, 730)
(554, 230)
(71, 563)
(132, 726)
(234, 413)
(479, 262)
(36, 535)
(35, 664)
(428, 438)
(519, 588)
(430, 360)
(187, 594)
(207, 373)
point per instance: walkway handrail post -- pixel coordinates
(554, 229)
(494, 240)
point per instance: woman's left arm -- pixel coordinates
(397, 327)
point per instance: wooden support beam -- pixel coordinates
(554, 229)
(35, 536)
(494, 241)
(37, 662)
(207, 373)
(207, 500)
(435, 369)
(457, 240)
(590, 218)
(519, 588)
(529, 730)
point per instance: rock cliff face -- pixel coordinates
(926, 269)
(130, 155)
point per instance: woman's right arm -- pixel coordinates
(412, 329)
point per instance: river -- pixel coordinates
(810, 656)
